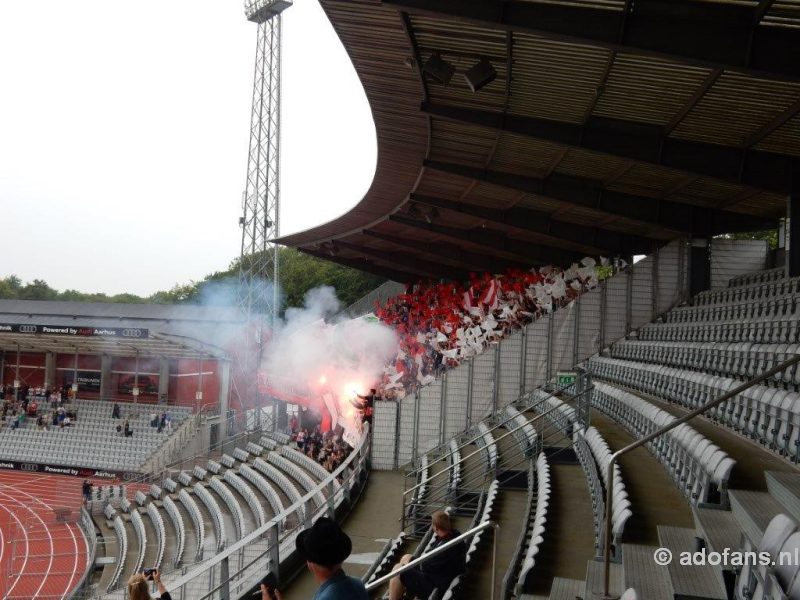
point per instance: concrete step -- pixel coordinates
(690, 582)
(595, 576)
(753, 512)
(566, 589)
(718, 528)
(785, 488)
(642, 573)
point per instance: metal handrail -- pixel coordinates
(258, 533)
(479, 450)
(441, 447)
(446, 546)
(632, 446)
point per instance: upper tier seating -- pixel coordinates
(767, 415)
(739, 360)
(699, 468)
(92, 440)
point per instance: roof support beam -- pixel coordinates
(360, 264)
(767, 129)
(417, 265)
(653, 212)
(637, 141)
(541, 222)
(473, 260)
(497, 242)
(716, 35)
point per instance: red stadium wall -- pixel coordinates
(184, 377)
(31, 369)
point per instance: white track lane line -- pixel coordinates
(49, 535)
(16, 518)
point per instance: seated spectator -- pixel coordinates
(115, 412)
(437, 572)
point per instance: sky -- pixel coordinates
(124, 131)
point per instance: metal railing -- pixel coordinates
(438, 550)
(606, 595)
(241, 566)
(442, 492)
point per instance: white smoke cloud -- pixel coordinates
(341, 357)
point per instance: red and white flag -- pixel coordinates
(489, 297)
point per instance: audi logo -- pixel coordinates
(28, 467)
(134, 333)
(28, 328)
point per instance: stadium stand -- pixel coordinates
(91, 440)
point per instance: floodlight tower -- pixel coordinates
(260, 220)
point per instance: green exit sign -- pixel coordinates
(564, 379)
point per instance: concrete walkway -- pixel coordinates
(374, 520)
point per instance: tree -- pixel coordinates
(771, 235)
(299, 273)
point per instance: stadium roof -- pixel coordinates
(149, 330)
(612, 127)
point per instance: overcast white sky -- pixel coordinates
(124, 131)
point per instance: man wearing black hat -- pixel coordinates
(325, 547)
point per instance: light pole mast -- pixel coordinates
(260, 220)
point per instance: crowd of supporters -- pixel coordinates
(325, 447)
(441, 324)
(44, 406)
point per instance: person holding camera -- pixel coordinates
(139, 589)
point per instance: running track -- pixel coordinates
(39, 556)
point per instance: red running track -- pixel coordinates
(43, 552)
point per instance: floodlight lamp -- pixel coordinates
(260, 11)
(241, 221)
(438, 68)
(480, 75)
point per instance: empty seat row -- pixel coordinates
(275, 503)
(485, 441)
(300, 459)
(741, 360)
(197, 520)
(122, 551)
(763, 276)
(699, 468)
(141, 535)
(762, 331)
(179, 527)
(523, 432)
(298, 475)
(161, 533)
(534, 532)
(555, 411)
(234, 508)
(767, 415)
(744, 293)
(286, 486)
(214, 510)
(779, 580)
(600, 453)
(248, 494)
(455, 466)
(775, 307)
(385, 559)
